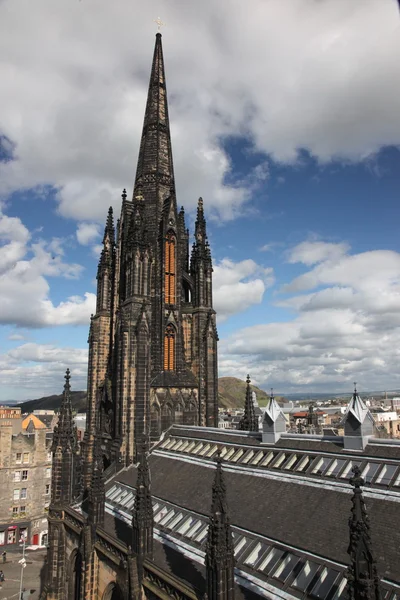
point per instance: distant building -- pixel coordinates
(48, 417)
(393, 402)
(25, 481)
(387, 421)
(80, 423)
(10, 412)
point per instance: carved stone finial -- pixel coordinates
(356, 481)
(67, 378)
(124, 195)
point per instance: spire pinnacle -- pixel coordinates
(219, 506)
(201, 248)
(142, 518)
(363, 581)
(67, 377)
(64, 431)
(109, 232)
(220, 559)
(249, 422)
(155, 173)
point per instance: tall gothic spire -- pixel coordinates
(362, 576)
(64, 431)
(155, 173)
(220, 559)
(249, 421)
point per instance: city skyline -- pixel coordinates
(296, 159)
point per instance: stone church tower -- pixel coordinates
(153, 339)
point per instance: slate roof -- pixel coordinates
(300, 511)
(376, 448)
(311, 518)
(171, 560)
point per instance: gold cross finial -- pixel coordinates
(159, 23)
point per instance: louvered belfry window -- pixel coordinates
(170, 267)
(169, 348)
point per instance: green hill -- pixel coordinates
(231, 394)
(78, 400)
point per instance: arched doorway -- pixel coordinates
(112, 592)
(75, 576)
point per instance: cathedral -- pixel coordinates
(157, 502)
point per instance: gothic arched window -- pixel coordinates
(178, 414)
(155, 421)
(170, 266)
(166, 417)
(169, 348)
(75, 576)
(190, 415)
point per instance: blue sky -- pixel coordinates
(291, 136)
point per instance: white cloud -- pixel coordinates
(13, 237)
(87, 233)
(16, 337)
(312, 252)
(270, 247)
(318, 75)
(237, 286)
(35, 370)
(24, 289)
(348, 328)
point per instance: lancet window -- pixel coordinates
(169, 348)
(170, 268)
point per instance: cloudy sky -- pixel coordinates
(285, 119)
